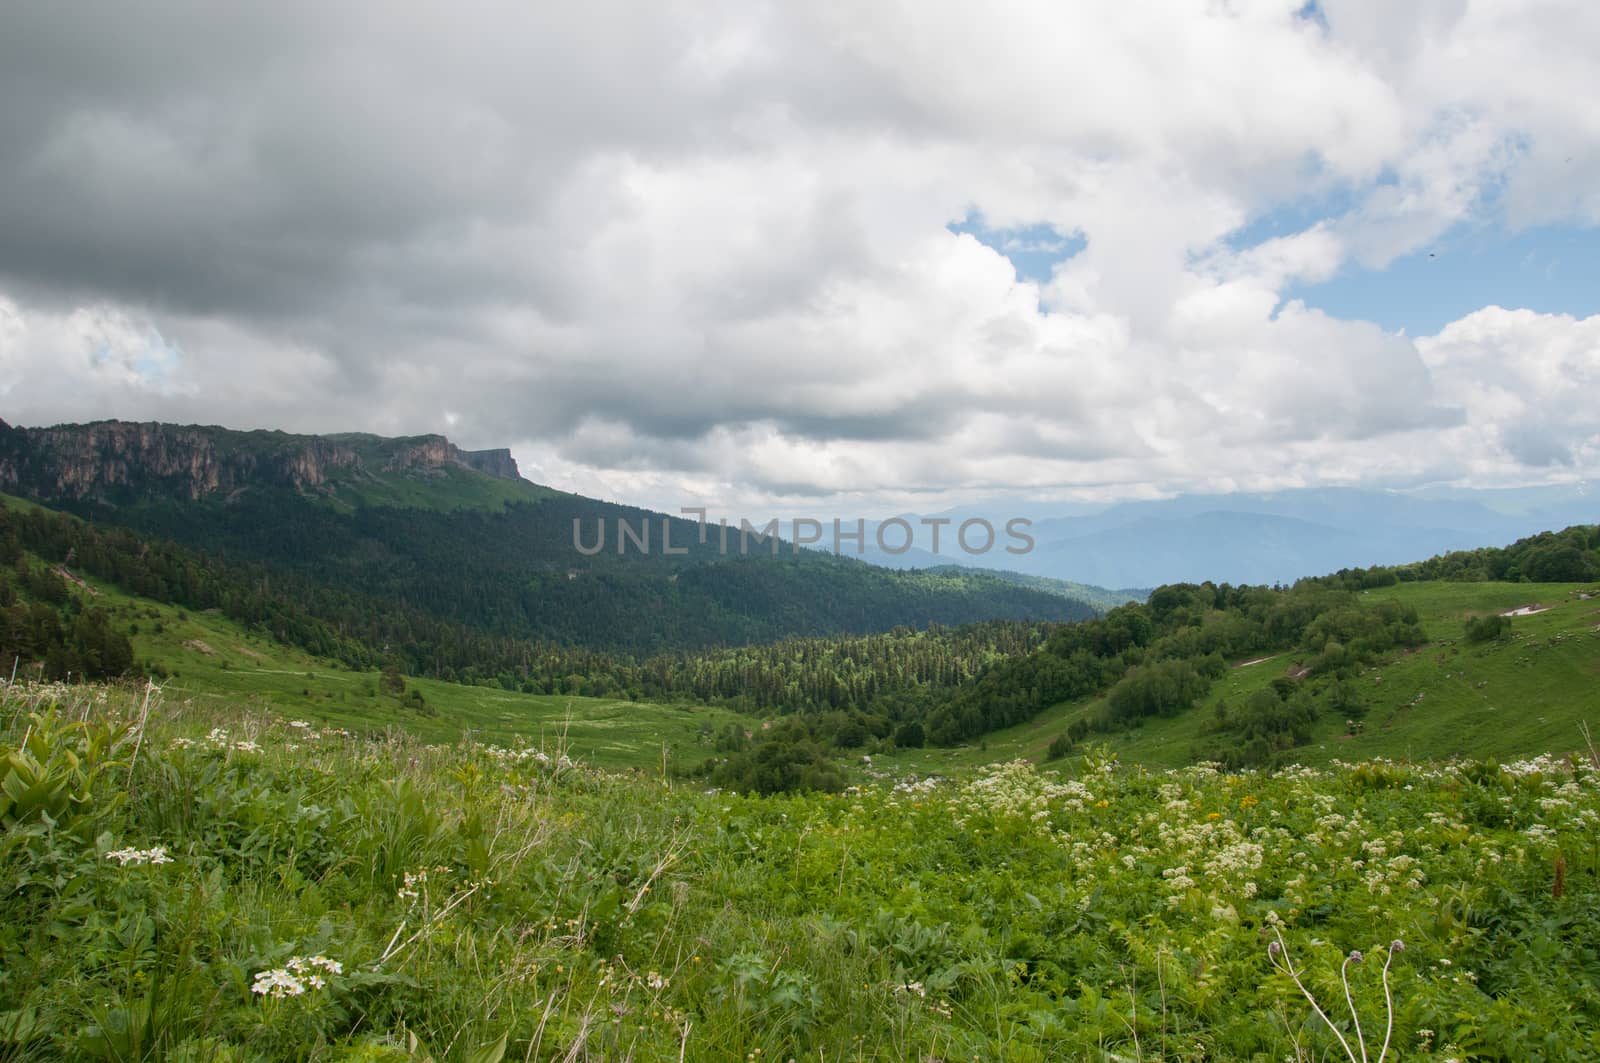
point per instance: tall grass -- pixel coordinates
(319, 896)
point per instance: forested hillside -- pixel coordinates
(1570, 556)
(1160, 654)
(446, 558)
(1159, 659)
(51, 618)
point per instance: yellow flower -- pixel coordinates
(1214, 816)
(1248, 801)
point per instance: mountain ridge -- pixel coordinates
(1262, 537)
(420, 547)
(112, 460)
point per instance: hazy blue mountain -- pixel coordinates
(1256, 538)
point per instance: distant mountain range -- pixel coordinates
(1255, 538)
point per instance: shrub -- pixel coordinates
(1488, 628)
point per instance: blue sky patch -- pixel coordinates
(1034, 250)
(1550, 269)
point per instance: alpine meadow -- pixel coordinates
(800, 533)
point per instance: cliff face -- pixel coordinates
(492, 462)
(434, 452)
(110, 460)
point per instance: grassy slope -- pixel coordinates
(1523, 696)
(214, 659)
(1102, 598)
(20, 505)
(442, 490)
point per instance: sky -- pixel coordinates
(823, 257)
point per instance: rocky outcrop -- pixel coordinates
(113, 460)
(492, 462)
(434, 452)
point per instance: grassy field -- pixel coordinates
(444, 489)
(219, 885)
(1517, 697)
(211, 659)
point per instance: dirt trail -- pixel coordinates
(61, 570)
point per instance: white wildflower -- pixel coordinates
(135, 857)
(295, 977)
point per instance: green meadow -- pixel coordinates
(1520, 696)
(208, 882)
(210, 659)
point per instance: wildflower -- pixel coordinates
(124, 857)
(655, 980)
(277, 983)
(295, 977)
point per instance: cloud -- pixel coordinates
(703, 250)
(1526, 380)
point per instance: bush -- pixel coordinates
(1164, 688)
(1488, 628)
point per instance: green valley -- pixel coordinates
(1526, 693)
(204, 660)
(274, 788)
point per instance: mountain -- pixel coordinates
(116, 462)
(1262, 538)
(1237, 547)
(448, 560)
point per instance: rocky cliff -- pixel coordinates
(497, 462)
(113, 460)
